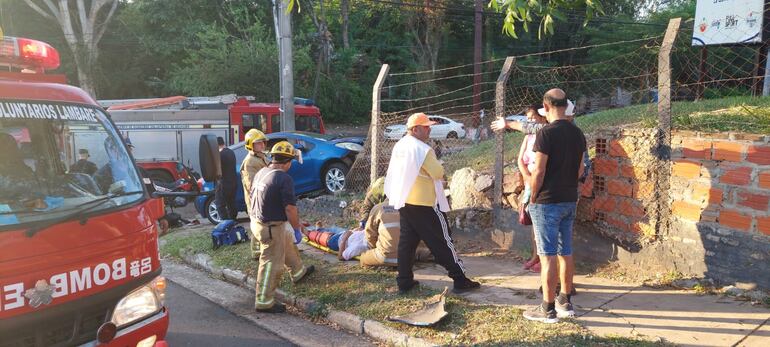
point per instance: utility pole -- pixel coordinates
(286, 67)
(477, 65)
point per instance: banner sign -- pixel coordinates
(47, 111)
(719, 22)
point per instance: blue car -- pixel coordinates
(326, 161)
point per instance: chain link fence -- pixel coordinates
(447, 96)
(629, 95)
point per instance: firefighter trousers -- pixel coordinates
(255, 247)
(279, 254)
(375, 257)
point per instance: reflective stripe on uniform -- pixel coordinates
(266, 280)
(299, 274)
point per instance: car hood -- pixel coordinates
(352, 139)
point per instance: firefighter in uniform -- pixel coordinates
(274, 215)
(254, 161)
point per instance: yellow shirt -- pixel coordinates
(423, 191)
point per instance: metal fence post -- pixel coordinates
(664, 125)
(502, 80)
(375, 135)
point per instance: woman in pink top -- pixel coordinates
(526, 162)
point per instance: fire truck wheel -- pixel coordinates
(333, 177)
(211, 211)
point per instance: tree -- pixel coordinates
(427, 27)
(525, 11)
(345, 9)
(325, 47)
(82, 33)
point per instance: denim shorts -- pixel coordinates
(553, 227)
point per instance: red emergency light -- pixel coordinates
(28, 54)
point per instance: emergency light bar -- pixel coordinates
(28, 54)
(304, 102)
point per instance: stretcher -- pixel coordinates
(324, 248)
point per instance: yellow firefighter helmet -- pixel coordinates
(284, 149)
(252, 136)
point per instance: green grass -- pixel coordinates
(479, 157)
(372, 294)
(740, 114)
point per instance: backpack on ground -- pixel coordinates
(228, 233)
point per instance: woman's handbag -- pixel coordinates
(524, 218)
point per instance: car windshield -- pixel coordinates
(57, 157)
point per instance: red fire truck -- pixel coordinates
(79, 258)
(166, 130)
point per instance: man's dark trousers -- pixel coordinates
(227, 186)
(430, 225)
(224, 197)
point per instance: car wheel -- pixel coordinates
(333, 177)
(451, 135)
(212, 214)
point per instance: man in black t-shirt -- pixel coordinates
(224, 195)
(273, 213)
(559, 149)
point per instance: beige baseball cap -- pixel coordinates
(419, 119)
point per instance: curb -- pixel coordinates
(353, 323)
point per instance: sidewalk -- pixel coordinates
(610, 308)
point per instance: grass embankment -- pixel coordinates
(738, 114)
(372, 294)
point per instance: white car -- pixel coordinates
(444, 128)
(517, 117)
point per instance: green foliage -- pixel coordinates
(524, 12)
(346, 100)
(221, 63)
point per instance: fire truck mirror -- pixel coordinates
(208, 155)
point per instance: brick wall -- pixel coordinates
(722, 179)
(714, 218)
(620, 195)
(719, 187)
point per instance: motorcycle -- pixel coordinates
(180, 192)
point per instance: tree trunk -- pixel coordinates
(276, 28)
(426, 27)
(84, 40)
(345, 8)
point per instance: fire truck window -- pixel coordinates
(54, 168)
(275, 125)
(254, 121)
(308, 123)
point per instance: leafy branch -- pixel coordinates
(524, 12)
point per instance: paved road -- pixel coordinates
(196, 321)
(232, 301)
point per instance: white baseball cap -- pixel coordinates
(570, 109)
